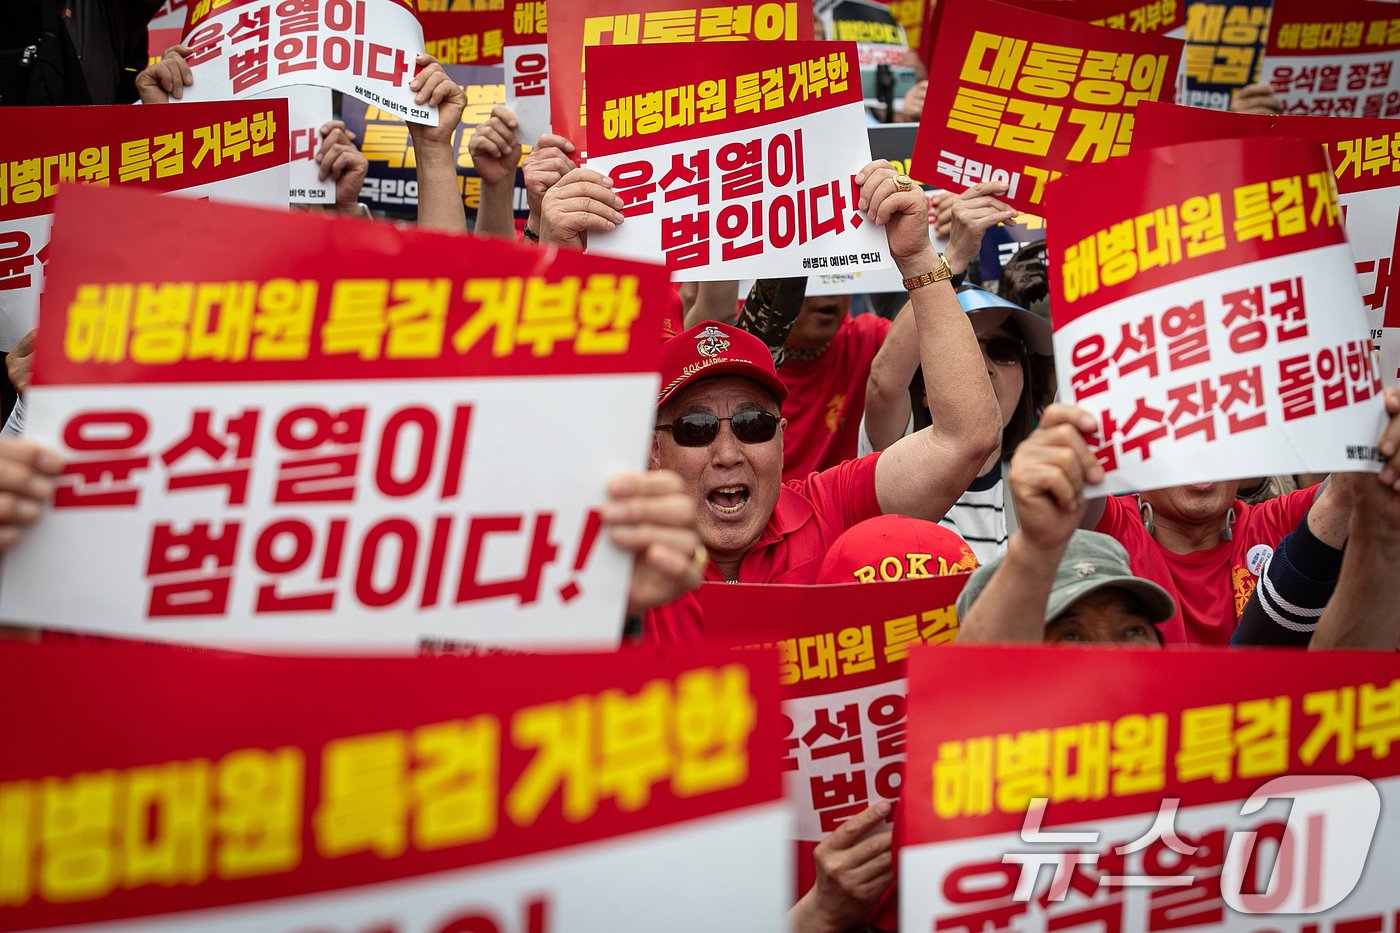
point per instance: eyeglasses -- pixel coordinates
(1004, 351)
(701, 428)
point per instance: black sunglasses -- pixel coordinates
(1004, 351)
(701, 428)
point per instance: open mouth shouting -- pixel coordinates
(728, 500)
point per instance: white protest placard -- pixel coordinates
(362, 450)
(1367, 167)
(734, 160)
(225, 151)
(855, 282)
(365, 48)
(309, 108)
(1212, 324)
(527, 68)
(1365, 158)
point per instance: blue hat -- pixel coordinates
(1036, 332)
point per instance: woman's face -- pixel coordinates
(1008, 378)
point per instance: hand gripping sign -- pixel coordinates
(308, 109)
(365, 48)
(332, 433)
(542, 794)
(1365, 158)
(1022, 97)
(222, 150)
(391, 180)
(734, 163)
(1211, 321)
(1191, 791)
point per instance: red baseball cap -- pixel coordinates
(895, 547)
(675, 312)
(712, 349)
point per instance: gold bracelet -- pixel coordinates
(928, 278)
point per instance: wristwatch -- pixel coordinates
(928, 278)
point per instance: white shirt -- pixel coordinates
(14, 426)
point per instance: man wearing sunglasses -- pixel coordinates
(719, 425)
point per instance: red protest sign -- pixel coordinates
(472, 38)
(1150, 768)
(328, 424)
(548, 313)
(454, 795)
(1336, 59)
(1362, 153)
(454, 6)
(1359, 149)
(158, 148)
(576, 27)
(1021, 97)
(1190, 315)
(841, 653)
(1153, 17)
(225, 150)
(716, 160)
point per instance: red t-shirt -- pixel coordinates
(826, 397)
(1210, 586)
(809, 516)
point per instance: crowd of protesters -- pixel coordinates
(945, 414)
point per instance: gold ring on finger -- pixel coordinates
(903, 183)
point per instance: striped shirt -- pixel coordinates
(979, 515)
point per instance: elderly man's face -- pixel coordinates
(735, 484)
(1108, 616)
